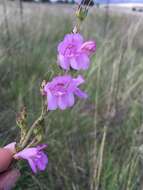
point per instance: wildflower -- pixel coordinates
(61, 90)
(74, 53)
(36, 158)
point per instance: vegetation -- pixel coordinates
(95, 145)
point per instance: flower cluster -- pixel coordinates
(60, 93)
(73, 53)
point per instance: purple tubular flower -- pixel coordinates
(36, 158)
(74, 53)
(61, 90)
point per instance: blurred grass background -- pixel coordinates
(94, 145)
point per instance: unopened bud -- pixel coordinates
(81, 13)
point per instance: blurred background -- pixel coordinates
(96, 145)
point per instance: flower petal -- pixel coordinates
(66, 101)
(42, 162)
(74, 63)
(79, 80)
(63, 62)
(77, 38)
(42, 146)
(62, 102)
(88, 47)
(52, 101)
(83, 61)
(81, 94)
(26, 153)
(70, 99)
(32, 165)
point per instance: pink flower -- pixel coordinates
(74, 53)
(36, 158)
(61, 90)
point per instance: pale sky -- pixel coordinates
(119, 1)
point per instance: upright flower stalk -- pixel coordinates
(73, 52)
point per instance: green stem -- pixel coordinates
(34, 125)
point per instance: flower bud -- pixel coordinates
(81, 13)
